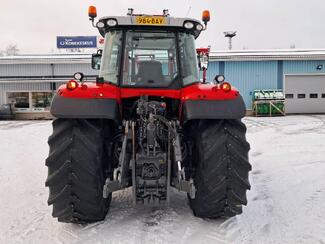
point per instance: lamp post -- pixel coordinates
(230, 35)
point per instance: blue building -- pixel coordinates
(254, 70)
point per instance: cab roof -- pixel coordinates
(159, 22)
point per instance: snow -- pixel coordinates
(286, 203)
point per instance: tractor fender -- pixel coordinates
(214, 109)
(85, 108)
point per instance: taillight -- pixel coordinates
(225, 86)
(72, 84)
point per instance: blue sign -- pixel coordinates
(76, 41)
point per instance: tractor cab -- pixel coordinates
(156, 51)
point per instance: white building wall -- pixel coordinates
(21, 86)
(70, 69)
(25, 70)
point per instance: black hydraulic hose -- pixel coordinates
(166, 122)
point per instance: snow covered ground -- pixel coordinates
(286, 203)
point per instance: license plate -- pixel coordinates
(150, 20)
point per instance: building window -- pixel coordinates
(313, 95)
(30, 101)
(301, 95)
(323, 95)
(19, 99)
(41, 101)
(289, 96)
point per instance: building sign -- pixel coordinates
(76, 41)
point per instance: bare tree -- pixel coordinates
(11, 50)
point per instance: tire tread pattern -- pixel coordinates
(222, 168)
(76, 170)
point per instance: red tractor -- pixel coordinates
(148, 122)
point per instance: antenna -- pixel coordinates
(189, 8)
(230, 35)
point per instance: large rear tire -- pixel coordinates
(222, 168)
(78, 165)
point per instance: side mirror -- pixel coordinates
(203, 58)
(204, 61)
(96, 60)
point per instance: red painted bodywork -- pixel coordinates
(91, 90)
(197, 91)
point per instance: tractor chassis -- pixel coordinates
(153, 191)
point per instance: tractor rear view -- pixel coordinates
(148, 122)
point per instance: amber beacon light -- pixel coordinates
(206, 16)
(92, 12)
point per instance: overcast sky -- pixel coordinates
(261, 24)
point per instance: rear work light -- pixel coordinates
(111, 22)
(199, 27)
(188, 25)
(72, 84)
(225, 86)
(100, 24)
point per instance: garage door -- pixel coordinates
(305, 93)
